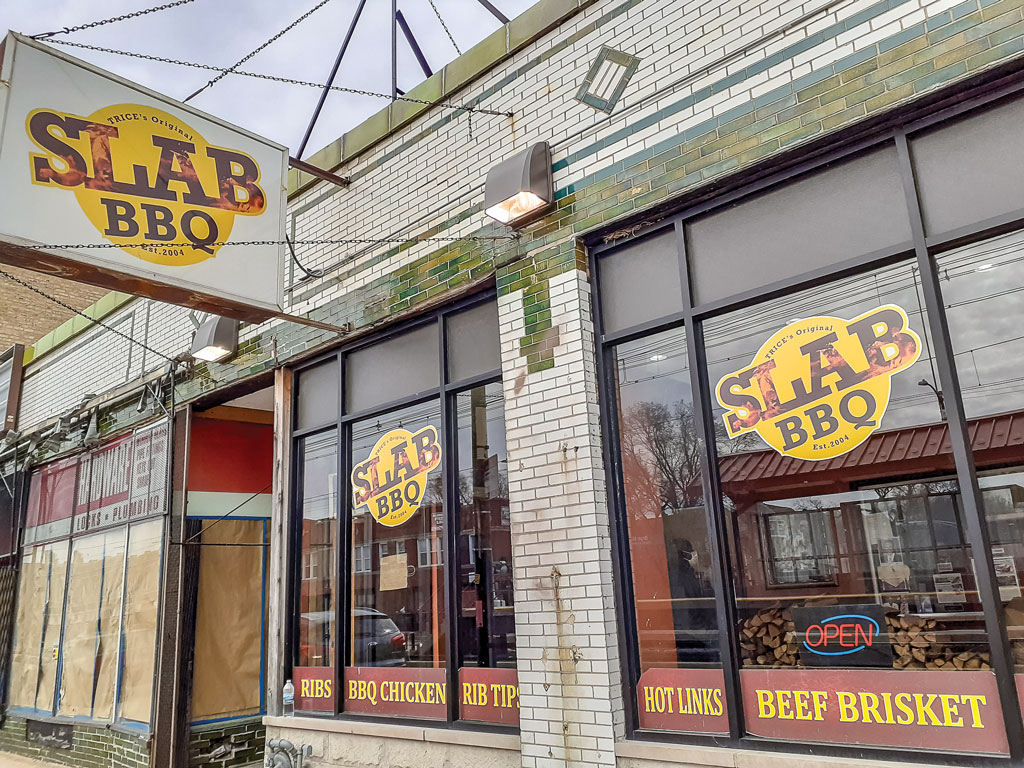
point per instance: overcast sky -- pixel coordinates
(220, 32)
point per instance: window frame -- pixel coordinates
(920, 252)
(116, 722)
(445, 395)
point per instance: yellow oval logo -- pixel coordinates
(391, 482)
(146, 179)
(819, 387)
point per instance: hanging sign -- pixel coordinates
(819, 387)
(143, 194)
(392, 480)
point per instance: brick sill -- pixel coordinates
(388, 730)
(726, 757)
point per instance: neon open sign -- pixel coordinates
(843, 636)
(852, 632)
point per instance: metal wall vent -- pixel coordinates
(607, 79)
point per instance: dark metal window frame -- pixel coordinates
(920, 253)
(444, 394)
(772, 559)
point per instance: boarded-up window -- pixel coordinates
(229, 618)
(40, 605)
(91, 625)
(141, 598)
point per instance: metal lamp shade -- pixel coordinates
(520, 188)
(216, 339)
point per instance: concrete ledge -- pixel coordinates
(466, 738)
(635, 754)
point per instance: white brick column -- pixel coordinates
(567, 643)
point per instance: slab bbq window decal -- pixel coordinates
(391, 481)
(146, 179)
(820, 386)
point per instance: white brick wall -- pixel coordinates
(567, 640)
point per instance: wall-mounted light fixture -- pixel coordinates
(520, 189)
(216, 339)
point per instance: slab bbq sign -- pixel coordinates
(108, 183)
(392, 480)
(818, 388)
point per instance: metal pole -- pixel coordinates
(394, 49)
(420, 58)
(330, 80)
(494, 11)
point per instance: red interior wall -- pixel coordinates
(230, 456)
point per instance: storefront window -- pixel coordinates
(40, 609)
(487, 633)
(86, 627)
(857, 603)
(318, 586)
(981, 288)
(670, 558)
(398, 603)
(141, 594)
(426, 611)
(89, 651)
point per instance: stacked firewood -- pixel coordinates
(917, 645)
(768, 639)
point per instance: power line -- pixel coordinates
(277, 79)
(254, 243)
(112, 19)
(70, 308)
(252, 53)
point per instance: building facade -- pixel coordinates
(717, 461)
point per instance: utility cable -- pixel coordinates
(245, 58)
(112, 19)
(70, 308)
(277, 79)
(446, 30)
(255, 243)
(315, 274)
(225, 516)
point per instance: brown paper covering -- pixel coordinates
(91, 625)
(37, 564)
(226, 677)
(140, 619)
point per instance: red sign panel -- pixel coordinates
(121, 481)
(691, 700)
(314, 689)
(489, 695)
(396, 691)
(951, 711)
(50, 500)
